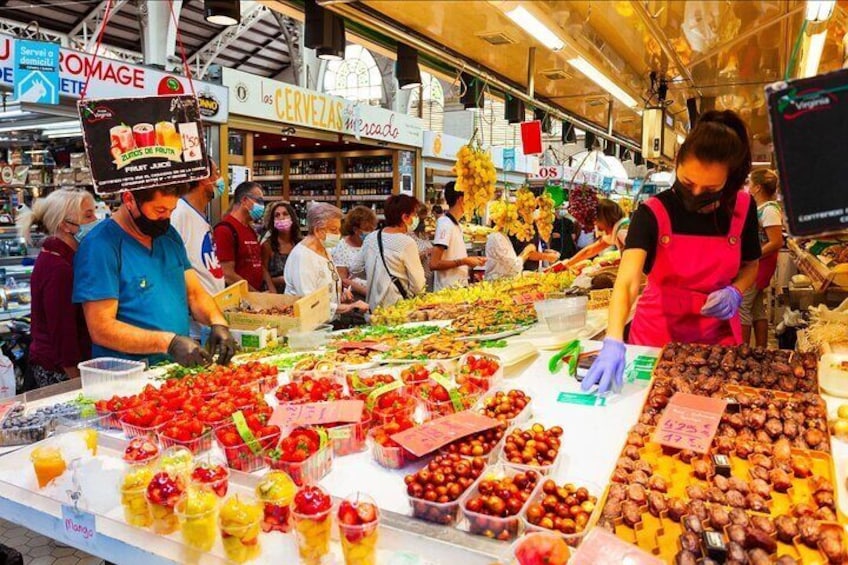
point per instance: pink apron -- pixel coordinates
(687, 268)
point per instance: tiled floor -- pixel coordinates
(39, 550)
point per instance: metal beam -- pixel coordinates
(207, 54)
(83, 36)
(662, 40)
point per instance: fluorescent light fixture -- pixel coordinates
(531, 24)
(62, 125)
(603, 81)
(64, 130)
(24, 126)
(819, 10)
(18, 113)
(812, 57)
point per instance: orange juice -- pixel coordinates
(48, 464)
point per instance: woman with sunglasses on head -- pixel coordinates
(282, 233)
(698, 244)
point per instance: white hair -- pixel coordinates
(319, 214)
(51, 211)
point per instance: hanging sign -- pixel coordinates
(137, 143)
(809, 118)
(509, 159)
(36, 72)
(531, 137)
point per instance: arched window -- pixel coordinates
(434, 102)
(355, 78)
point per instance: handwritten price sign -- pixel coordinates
(429, 437)
(604, 548)
(314, 413)
(690, 422)
(78, 527)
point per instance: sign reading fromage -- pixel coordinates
(276, 101)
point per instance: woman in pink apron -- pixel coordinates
(698, 245)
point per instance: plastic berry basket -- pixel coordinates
(436, 409)
(311, 470)
(196, 445)
(483, 383)
(572, 539)
(132, 431)
(405, 412)
(490, 456)
(350, 438)
(240, 456)
(112, 420)
(503, 529)
(390, 456)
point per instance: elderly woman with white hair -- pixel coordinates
(60, 337)
(309, 266)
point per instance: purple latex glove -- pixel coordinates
(723, 304)
(608, 369)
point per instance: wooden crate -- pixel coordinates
(310, 311)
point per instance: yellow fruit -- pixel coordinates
(842, 411)
(840, 428)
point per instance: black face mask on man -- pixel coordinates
(150, 228)
(694, 203)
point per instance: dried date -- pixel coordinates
(787, 528)
(719, 517)
(756, 538)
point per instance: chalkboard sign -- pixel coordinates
(809, 123)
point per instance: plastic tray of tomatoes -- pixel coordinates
(362, 383)
(239, 453)
(186, 431)
(349, 438)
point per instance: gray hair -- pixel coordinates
(319, 214)
(50, 212)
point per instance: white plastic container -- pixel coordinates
(563, 314)
(107, 376)
(309, 340)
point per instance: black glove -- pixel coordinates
(221, 342)
(188, 352)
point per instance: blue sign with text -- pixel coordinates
(36, 72)
(509, 159)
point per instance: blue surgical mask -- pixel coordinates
(84, 229)
(257, 211)
(220, 187)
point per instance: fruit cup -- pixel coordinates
(479, 369)
(197, 512)
(240, 523)
(359, 523)
(133, 496)
(212, 475)
(275, 491)
(163, 493)
(312, 521)
(243, 455)
(48, 463)
(176, 461)
(141, 451)
(393, 405)
(541, 548)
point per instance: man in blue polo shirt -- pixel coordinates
(138, 289)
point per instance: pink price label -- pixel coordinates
(430, 436)
(603, 548)
(314, 413)
(689, 422)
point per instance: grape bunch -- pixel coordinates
(525, 203)
(583, 206)
(545, 216)
(476, 178)
(504, 215)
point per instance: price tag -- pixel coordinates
(434, 434)
(314, 413)
(372, 345)
(78, 527)
(603, 548)
(689, 422)
(5, 408)
(581, 399)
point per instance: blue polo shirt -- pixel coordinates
(149, 284)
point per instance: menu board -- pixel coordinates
(138, 143)
(809, 119)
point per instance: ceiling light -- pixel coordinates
(812, 56)
(283, 138)
(65, 134)
(819, 10)
(514, 110)
(324, 31)
(317, 143)
(406, 68)
(293, 145)
(536, 28)
(601, 80)
(222, 12)
(63, 130)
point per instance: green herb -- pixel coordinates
(494, 344)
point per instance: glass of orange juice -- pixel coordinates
(48, 463)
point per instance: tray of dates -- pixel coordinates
(386, 451)
(748, 501)
(435, 498)
(480, 369)
(570, 509)
(305, 454)
(534, 447)
(774, 369)
(485, 444)
(493, 504)
(511, 406)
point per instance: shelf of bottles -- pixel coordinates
(376, 206)
(312, 170)
(366, 179)
(268, 171)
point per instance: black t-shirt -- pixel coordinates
(565, 243)
(642, 233)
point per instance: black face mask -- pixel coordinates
(694, 203)
(150, 228)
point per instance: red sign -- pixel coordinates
(531, 137)
(603, 548)
(690, 422)
(314, 413)
(432, 435)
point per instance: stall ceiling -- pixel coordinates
(706, 49)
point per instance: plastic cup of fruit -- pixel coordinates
(359, 541)
(165, 521)
(276, 491)
(240, 523)
(48, 464)
(350, 438)
(578, 525)
(484, 383)
(540, 547)
(196, 445)
(313, 535)
(310, 470)
(135, 456)
(134, 496)
(197, 512)
(177, 461)
(211, 475)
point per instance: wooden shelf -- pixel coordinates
(265, 178)
(366, 176)
(274, 197)
(315, 198)
(364, 197)
(327, 176)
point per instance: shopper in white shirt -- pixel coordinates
(390, 256)
(449, 260)
(189, 219)
(612, 224)
(309, 266)
(357, 223)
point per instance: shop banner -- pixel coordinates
(136, 143)
(809, 118)
(111, 78)
(561, 172)
(36, 71)
(276, 101)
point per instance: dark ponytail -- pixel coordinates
(721, 137)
